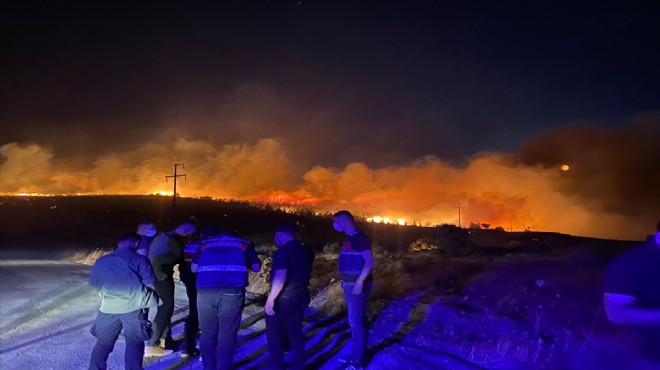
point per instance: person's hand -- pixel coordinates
(270, 307)
(357, 288)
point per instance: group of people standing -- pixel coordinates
(139, 275)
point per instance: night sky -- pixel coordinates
(395, 91)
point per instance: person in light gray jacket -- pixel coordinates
(124, 280)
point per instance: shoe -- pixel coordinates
(189, 353)
(153, 351)
(353, 366)
(167, 343)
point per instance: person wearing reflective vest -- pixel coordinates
(188, 278)
(356, 262)
(222, 266)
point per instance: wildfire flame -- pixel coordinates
(497, 189)
(387, 220)
(163, 193)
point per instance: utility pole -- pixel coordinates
(175, 176)
(459, 214)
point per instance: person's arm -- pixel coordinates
(147, 273)
(620, 309)
(367, 267)
(175, 254)
(194, 264)
(278, 284)
(253, 259)
(94, 280)
(143, 247)
(157, 266)
(164, 262)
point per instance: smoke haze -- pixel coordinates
(610, 191)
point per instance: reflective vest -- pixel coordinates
(190, 250)
(222, 263)
(350, 257)
(350, 265)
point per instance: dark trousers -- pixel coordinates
(287, 323)
(220, 311)
(357, 309)
(106, 329)
(163, 321)
(192, 321)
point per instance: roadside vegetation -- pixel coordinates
(493, 298)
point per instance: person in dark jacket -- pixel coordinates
(288, 298)
(222, 266)
(631, 295)
(165, 252)
(124, 280)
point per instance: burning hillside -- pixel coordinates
(609, 192)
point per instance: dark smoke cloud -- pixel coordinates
(613, 171)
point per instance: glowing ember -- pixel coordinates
(29, 194)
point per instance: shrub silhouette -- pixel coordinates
(453, 240)
(420, 245)
(331, 248)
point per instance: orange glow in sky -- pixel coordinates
(492, 188)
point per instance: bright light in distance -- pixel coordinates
(162, 193)
(387, 220)
(565, 167)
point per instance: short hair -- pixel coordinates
(288, 229)
(146, 221)
(130, 237)
(344, 213)
(209, 232)
(188, 223)
(186, 228)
